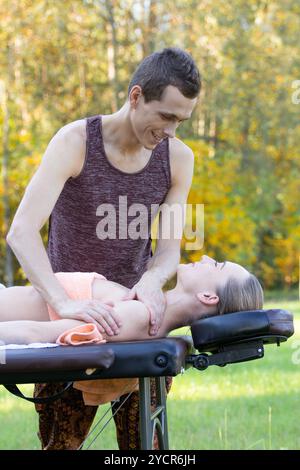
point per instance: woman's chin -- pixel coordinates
(182, 270)
(181, 266)
(184, 266)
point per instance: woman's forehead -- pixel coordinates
(235, 268)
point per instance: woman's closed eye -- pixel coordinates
(216, 264)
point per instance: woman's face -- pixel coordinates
(208, 274)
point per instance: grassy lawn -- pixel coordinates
(254, 405)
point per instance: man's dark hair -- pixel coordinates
(171, 66)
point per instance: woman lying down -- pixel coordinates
(203, 288)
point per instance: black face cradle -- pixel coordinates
(238, 337)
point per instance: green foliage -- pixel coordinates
(63, 61)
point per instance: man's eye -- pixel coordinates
(167, 118)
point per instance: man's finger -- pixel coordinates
(106, 319)
(153, 331)
(152, 316)
(100, 306)
(90, 319)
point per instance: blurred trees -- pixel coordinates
(62, 61)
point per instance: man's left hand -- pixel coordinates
(148, 290)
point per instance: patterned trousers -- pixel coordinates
(65, 423)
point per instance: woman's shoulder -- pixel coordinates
(133, 307)
(135, 319)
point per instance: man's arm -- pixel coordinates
(162, 266)
(172, 215)
(62, 160)
(59, 162)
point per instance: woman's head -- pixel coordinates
(220, 288)
(238, 296)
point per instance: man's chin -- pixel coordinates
(149, 146)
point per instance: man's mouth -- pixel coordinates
(156, 137)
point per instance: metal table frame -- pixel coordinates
(156, 420)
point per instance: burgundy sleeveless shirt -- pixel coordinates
(94, 224)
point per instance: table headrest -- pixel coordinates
(212, 332)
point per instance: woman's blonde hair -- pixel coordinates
(237, 296)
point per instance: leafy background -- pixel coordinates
(62, 61)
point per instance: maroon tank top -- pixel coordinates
(93, 205)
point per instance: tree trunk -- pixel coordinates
(149, 28)
(112, 55)
(8, 267)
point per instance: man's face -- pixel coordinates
(156, 120)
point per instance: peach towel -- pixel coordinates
(95, 392)
(98, 392)
(78, 285)
(82, 334)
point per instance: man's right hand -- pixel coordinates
(94, 311)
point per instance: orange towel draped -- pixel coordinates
(95, 392)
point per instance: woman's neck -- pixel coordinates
(178, 311)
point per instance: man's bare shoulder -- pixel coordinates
(181, 158)
(178, 147)
(74, 133)
(73, 137)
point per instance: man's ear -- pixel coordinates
(136, 95)
(207, 298)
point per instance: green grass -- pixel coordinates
(276, 295)
(254, 405)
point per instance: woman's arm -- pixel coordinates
(133, 313)
(28, 331)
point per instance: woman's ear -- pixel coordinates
(207, 298)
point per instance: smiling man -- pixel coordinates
(88, 164)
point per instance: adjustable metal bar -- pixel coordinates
(161, 397)
(145, 413)
(156, 420)
(229, 354)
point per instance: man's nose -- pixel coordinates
(170, 131)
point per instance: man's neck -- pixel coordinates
(119, 133)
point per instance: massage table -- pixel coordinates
(217, 340)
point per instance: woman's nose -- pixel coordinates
(208, 259)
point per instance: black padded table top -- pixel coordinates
(151, 358)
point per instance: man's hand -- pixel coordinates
(148, 290)
(94, 311)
